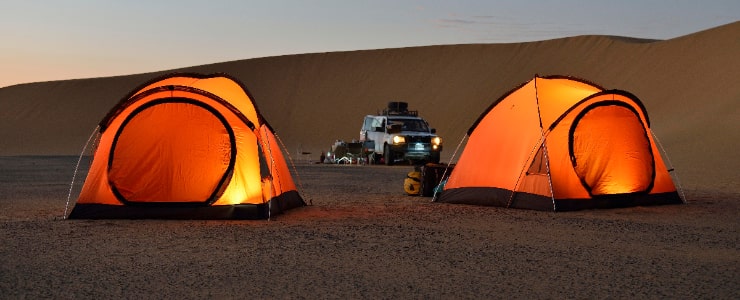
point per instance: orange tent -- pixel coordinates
(187, 146)
(559, 143)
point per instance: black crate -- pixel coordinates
(432, 175)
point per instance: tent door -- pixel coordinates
(610, 150)
(173, 151)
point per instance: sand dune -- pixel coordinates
(689, 85)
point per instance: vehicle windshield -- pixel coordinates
(411, 124)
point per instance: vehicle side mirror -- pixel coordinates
(433, 130)
(395, 128)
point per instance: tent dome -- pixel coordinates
(187, 146)
(560, 143)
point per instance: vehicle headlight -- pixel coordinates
(399, 139)
(436, 141)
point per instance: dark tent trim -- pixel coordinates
(126, 100)
(602, 93)
(123, 105)
(489, 196)
(277, 205)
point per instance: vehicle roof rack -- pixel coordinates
(398, 108)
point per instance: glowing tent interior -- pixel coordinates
(187, 146)
(560, 143)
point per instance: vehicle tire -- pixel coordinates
(388, 155)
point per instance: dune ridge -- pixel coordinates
(688, 84)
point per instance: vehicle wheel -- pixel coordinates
(387, 155)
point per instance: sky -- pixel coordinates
(44, 40)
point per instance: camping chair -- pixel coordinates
(349, 153)
(354, 152)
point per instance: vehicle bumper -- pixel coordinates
(416, 151)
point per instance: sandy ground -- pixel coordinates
(363, 238)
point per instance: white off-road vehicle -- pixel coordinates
(398, 134)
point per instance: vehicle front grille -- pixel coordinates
(419, 139)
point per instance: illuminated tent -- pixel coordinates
(559, 143)
(187, 146)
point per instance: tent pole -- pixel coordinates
(272, 178)
(549, 174)
(544, 144)
(524, 170)
(77, 167)
(292, 164)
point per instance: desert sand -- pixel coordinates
(361, 237)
